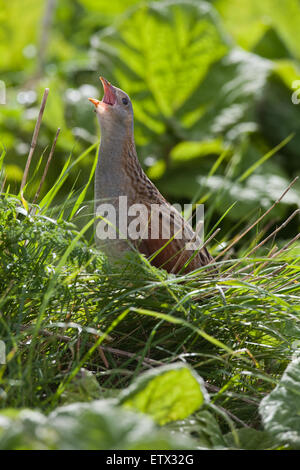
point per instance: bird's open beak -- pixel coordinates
(109, 97)
(109, 92)
(95, 102)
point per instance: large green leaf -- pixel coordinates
(160, 53)
(242, 20)
(190, 85)
(193, 149)
(285, 17)
(108, 10)
(280, 410)
(19, 27)
(101, 425)
(252, 439)
(168, 393)
(248, 21)
(228, 98)
(204, 428)
(96, 425)
(185, 79)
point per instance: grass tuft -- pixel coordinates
(64, 308)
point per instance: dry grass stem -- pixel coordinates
(34, 139)
(46, 167)
(257, 221)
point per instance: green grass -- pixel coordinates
(88, 346)
(63, 308)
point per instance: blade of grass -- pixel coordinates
(265, 158)
(47, 200)
(239, 237)
(83, 193)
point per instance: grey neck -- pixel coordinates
(110, 171)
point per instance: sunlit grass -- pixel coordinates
(64, 307)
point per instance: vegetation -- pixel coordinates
(128, 356)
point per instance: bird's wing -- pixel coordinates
(171, 240)
(169, 235)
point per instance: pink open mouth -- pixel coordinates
(109, 92)
(109, 97)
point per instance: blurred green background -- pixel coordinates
(204, 77)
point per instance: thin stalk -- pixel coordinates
(34, 140)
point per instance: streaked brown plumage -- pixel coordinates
(119, 173)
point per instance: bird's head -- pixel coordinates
(115, 109)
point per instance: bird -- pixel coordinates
(120, 179)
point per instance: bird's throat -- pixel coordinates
(110, 177)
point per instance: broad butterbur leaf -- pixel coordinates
(252, 439)
(159, 54)
(97, 425)
(168, 393)
(203, 427)
(248, 21)
(280, 410)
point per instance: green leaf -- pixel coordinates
(188, 150)
(97, 425)
(177, 65)
(204, 428)
(289, 73)
(13, 38)
(168, 393)
(285, 17)
(18, 429)
(248, 21)
(280, 410)
(251, 439)
(102, 425)
(117, 7)
(241, 18)
(161, 52)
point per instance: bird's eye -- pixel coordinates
(124, 100)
